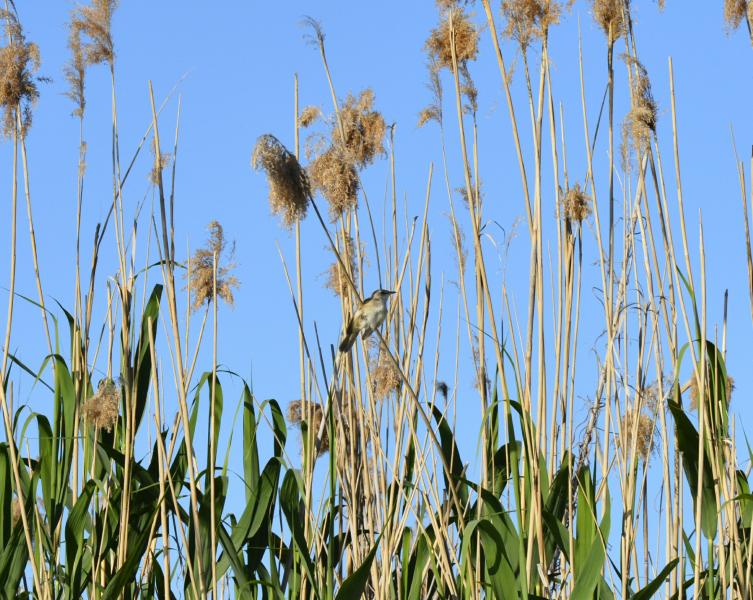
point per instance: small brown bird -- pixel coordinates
(366, 319)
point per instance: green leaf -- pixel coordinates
(687, 442)
(353, 587)
(653, 587)
(74, 540)
(143, 356)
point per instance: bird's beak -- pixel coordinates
(389, 291)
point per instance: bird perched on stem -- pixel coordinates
(366, 319)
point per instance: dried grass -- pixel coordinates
(155, 174)
(439, 44)
(609, 15)
(101, 410)
(308, 116)
(363, 129)
(576, 204)
(289, 188)
(337, 281)
(641, 426)
(201, 270)
(529, 20)
(642, 117)
(298, 411)
(385, 377)
(19, 60)
(735, 11)
(336, 178)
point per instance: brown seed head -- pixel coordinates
(529, 20)
(201, 272)
(609, 15)
(308, 116)
(363, 129)
(336, 280)
(158, 165)
(576, 205)
(94, 22)
(439, 44)
(312, 413)
(641, 426)
(19, 60)
(385, 377)
(336, 178)
(101, 410)
(642, 117)
(289, 189)
(735, 11)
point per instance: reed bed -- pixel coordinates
(380, 502)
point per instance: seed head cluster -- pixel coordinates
(576, 205)
(19, 60)
(312, 413)
(308, 116)
(610, 16)
(385, 377)
(90, 43)
(337, 280)
(638, 426)
(642, 117)
(529, 20)
(439, 44)
(336, 178)
(289, 188)
(101, 410)
(737, 10)
(201, 271)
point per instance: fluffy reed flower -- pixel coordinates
(458, 240)
(576, 205)
(643, 113)
(299, 411)
(101, 410)
(289, 189)
(439, 44)
(694, 395)
(90, 43)
(735, 11)
(363, 129)
(337, 280)
(385, 377)
(158, 165)
(609, 15)
(529, 20)
(641, 426)
(308, 116)
(19, 60)
(201, 273)
(336, 178)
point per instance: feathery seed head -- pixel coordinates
(289, 188)
(308, 116)
(336, 280)
(576, 205)
(19, 60)
(735, 11)
(529, 20)
(363, 129)
(336, 178)
(101, 410)
(642, 117)
(201, 272)
(312, 413)
(385, 377)
(439, 44)
(641, 426)
(609, 15)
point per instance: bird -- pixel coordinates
(366, 319)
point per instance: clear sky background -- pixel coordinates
(233, 65)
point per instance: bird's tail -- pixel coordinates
(349, 339)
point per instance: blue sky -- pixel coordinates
(233, 66)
